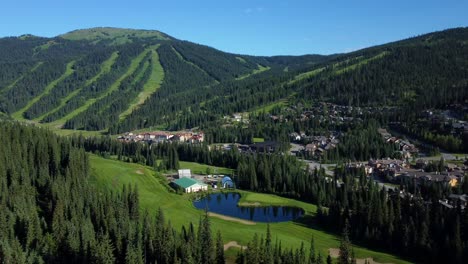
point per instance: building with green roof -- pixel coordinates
(190, 185)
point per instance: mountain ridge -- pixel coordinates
(201, 84)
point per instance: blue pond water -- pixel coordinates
(226, 204)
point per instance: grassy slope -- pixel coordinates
(133, 66)
(193, 64)
(106, 66)
(256, 71)
(19, 114)
(153, 84)
(198, 168)
(306, 75)
(112, 175)
(5, 89)
(361, 62)
(267, 108)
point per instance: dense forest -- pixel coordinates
(51, 214)
(430, 232)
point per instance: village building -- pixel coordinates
(451, 179)
(190, 185)
(185, 173)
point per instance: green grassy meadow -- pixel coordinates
(198, 168)
(154, 193)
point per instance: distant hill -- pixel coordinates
(124, 79)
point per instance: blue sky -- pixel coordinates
(256, 27)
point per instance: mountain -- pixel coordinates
(123, 79)
(114, 36)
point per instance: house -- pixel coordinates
(182, 137)
(267, 146)
(295, 136)
(421, 163)
(190, 185)
(237, 117)
(310, 148)
(185, 173)
(197, 138)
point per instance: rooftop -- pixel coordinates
(187, 182)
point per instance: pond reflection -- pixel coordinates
(226, 204)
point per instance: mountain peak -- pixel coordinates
(116, 35)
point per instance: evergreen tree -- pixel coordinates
(345, 246)
(219, 249)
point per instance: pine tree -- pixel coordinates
(103, 250)
(312, 259)
(219, 249)
(345, 246)
(319, 259)
(206, 243)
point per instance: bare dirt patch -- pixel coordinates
(335, 252)
(233, 219)
(233, 244)
(139, 171)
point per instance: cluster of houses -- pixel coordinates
(394, 170)
(450, 119)
(320, 144)
(407, 149)
(262, 147)
(336, 113)
(162, 136)
(316, 145)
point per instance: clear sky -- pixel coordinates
(256, 27)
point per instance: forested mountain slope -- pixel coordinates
(118, 80)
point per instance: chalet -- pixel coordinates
(190, 185)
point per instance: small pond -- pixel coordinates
(226, 204)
